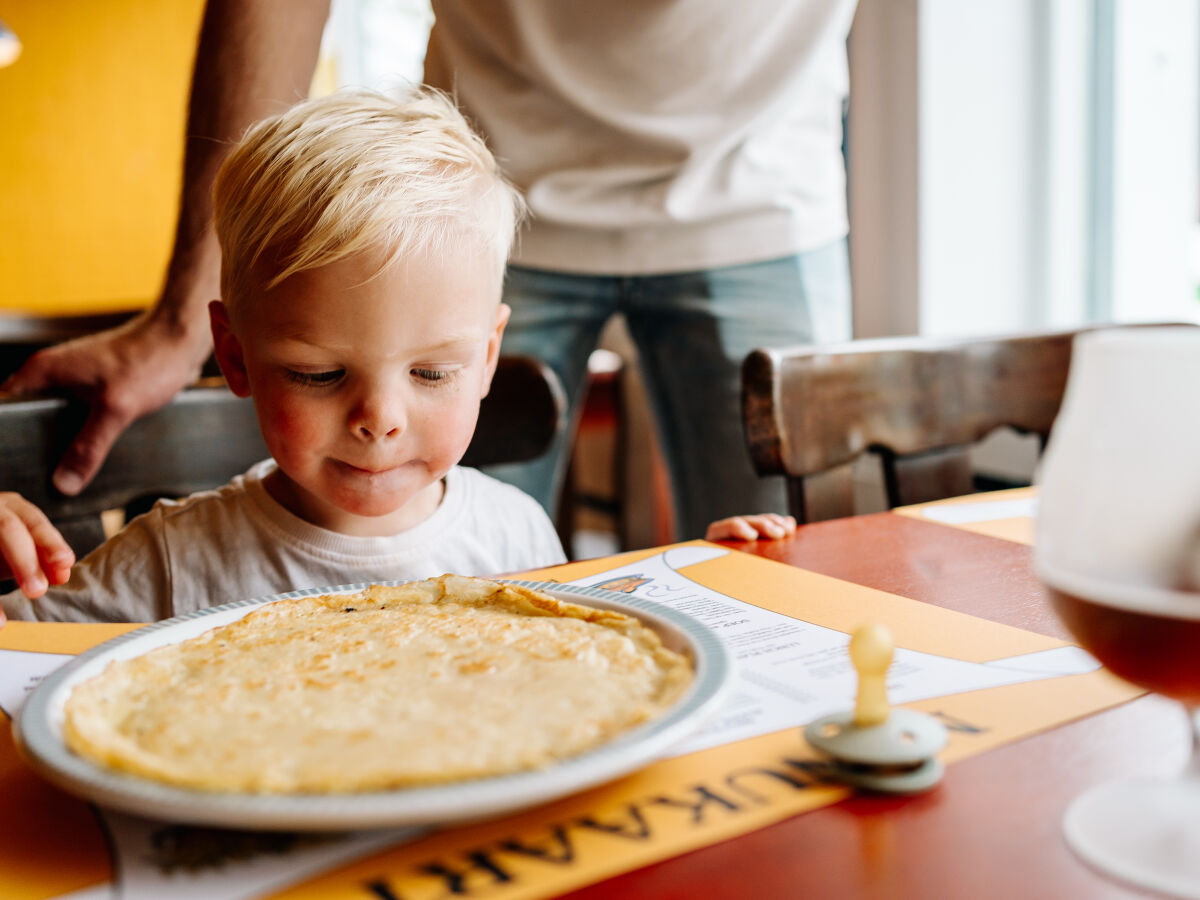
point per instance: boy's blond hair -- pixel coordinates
(356, 171)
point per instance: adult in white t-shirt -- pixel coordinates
(682, 163)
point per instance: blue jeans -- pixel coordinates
(692, 330)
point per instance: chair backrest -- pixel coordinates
(522, 414)
(920, 403)
(199, 440)
(206, 435)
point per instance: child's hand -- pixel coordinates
(31, 549)
(751, 528)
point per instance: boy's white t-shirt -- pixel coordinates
(237, 542)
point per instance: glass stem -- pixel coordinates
(1193, 766)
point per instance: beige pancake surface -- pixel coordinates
(424, 683)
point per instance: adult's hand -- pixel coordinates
(254, 57)
(122, 374)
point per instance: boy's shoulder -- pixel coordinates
(479, 487)
(501, 517)
(238, 491)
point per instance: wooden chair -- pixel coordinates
(199, 440)
(521, 416)
(919, 403)
(206, 435)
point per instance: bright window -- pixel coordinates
(1019, 164)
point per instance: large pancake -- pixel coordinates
(429, 682)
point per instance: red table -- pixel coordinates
(992, 828)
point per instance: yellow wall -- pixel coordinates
(91, 140)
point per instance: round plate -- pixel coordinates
(38, 729)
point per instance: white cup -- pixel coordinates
(1119, 495)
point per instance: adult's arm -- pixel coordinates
(254, 58)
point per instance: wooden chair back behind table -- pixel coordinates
(919, 403)
(206, 435)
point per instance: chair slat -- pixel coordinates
(917, 402)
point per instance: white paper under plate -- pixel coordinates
(38, 729)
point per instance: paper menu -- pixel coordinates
(791, 671)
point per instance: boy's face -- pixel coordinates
(367, 388)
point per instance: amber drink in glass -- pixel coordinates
(1118, 551)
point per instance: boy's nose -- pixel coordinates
(372, 430)
(379, 415)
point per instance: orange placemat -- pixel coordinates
(674, 805)
(1010, 514)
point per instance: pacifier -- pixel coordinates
(874, 746)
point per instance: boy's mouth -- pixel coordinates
(367, 470)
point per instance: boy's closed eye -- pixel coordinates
(432, 375)
(316, 379)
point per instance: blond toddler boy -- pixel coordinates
(363, 247)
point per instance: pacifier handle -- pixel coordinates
(871, 651)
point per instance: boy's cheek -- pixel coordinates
(456, 429)
(287, 426)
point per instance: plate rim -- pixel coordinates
(38, 733)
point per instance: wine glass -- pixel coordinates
(1118, 551)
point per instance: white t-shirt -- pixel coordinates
(656, 136)
(237, 542)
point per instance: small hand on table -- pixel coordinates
(772, 526)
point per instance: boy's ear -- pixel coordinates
(503, 311)
(228, 350)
